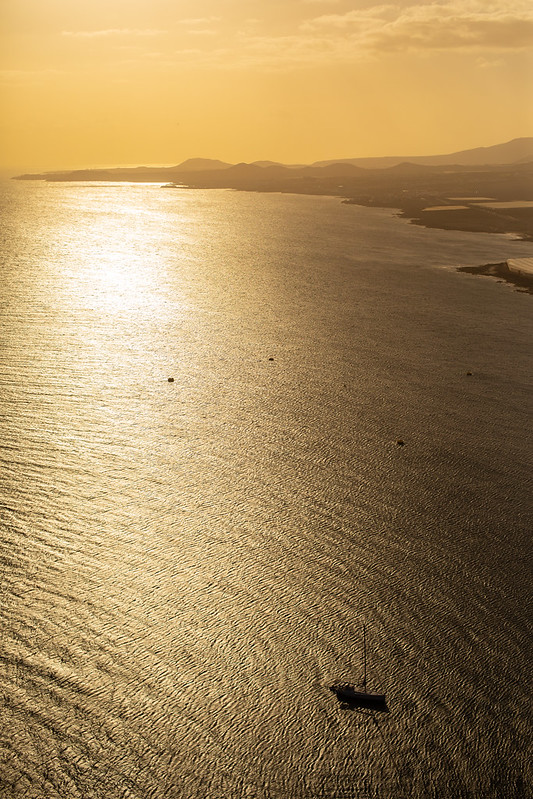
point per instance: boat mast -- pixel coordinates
(364, 658)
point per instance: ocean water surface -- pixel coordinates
(186, 566)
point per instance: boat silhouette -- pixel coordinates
(360, 697)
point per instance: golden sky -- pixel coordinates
(101, 82)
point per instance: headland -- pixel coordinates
(505, 271)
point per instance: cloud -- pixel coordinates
(202, 32)
(351, 19)
(108, 32)
(197, 26)
(459, 25)
(485, 28)
(452, 25)
(197, 20)
(281, 52)
(489, 63)
(488, 29)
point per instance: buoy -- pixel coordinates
(400, 442)
(271, 359)
(469, 374)
(170, 379)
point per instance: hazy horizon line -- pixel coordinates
(9, 171)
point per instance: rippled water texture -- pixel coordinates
(186, 566)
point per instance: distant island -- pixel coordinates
(481, 190)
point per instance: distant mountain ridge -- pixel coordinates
(511, 152)
(201, 164)
(514, 152)
(426, 193)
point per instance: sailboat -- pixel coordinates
(348, 693)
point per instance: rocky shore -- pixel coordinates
(523, 282)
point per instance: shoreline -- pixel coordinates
(474, 220)
(471, 219)
(488, 199)
(501, 271)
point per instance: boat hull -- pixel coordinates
(351, 696)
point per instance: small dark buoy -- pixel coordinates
(469, 374)
(271, 359)
(400, 442)
(170, 379)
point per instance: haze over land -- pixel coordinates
(111, 82)
(516, 152)
(485, 189)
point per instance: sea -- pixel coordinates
(235, 429)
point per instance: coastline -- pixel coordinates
(501, 271)
(476, 220)
(475, 202)
(487, 199)
(470, 219)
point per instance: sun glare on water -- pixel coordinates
(119, 254)
(106, 272)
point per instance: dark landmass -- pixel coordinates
(476, 219)
(412, 188)
(415, 191)
(201, 164)
(523, 282)
(511, 152)
(515, 151)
